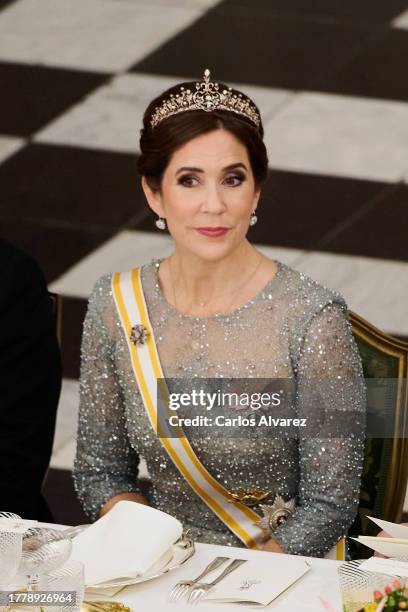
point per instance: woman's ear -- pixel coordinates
(153, 198)
(256, 199)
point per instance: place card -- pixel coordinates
(259, 581)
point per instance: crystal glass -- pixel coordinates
(10, 552)
(357, 586)
(44, 550)
(69, 577)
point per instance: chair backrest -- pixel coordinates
(56, 302)
(385, 471)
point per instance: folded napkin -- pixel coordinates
(125, 542)
(156, 568)
(393, 529)
(394, 546)
(259, 581)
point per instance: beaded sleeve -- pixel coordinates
(330, 467)
(105, 464)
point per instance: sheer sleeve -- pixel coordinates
(330, 467)
(105, 463)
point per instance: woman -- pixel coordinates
(219, 308)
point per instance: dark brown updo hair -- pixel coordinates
(158, 144)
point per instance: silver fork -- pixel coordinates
(181, 588)
(200, 589)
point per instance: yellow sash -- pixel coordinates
(131, 306)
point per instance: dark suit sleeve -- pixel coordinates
(30, 383)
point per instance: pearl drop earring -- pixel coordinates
(253, 219)
(161, 223)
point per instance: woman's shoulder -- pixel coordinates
(306, 294)
(102, 291)
(102, 288)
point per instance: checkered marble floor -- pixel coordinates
(329, 79)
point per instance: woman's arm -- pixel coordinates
(330, 386)
(106, 466)
(136, 497)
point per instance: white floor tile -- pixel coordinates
(401, 21)
(269, 100)
(376, 289)
(125, 251)
(64, 458)
(9, 146)
(67, 415)
(98, 35)
(111, 117)
(341, 136)
(143, 472)
(287, 256)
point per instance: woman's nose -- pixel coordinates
(213, 201)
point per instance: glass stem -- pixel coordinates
(33, 581)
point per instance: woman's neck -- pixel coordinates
(197, 286)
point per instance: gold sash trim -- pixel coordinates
(131, 306)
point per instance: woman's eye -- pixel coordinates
(236, 177)
(186, 181)
(233, 180)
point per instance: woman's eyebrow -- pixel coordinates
(193, 169)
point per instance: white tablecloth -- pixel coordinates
(152, 596)
(321, 580)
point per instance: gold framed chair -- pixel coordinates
(385, 472)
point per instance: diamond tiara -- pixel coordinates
(207, 97)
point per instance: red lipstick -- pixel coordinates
(212, 231)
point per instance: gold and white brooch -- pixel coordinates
(139, 334)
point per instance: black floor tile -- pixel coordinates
(245, 47)
(380, 232)
(365, 11)
(87, 189)
(376, 71)
(61, 497)
(33, 95)
(73, 314)
(56, 248)
(297, 209)
(146, 222)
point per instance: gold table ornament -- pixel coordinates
(104, 606)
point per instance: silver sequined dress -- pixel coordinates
(294, 328)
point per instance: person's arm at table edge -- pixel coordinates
(135, 497)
